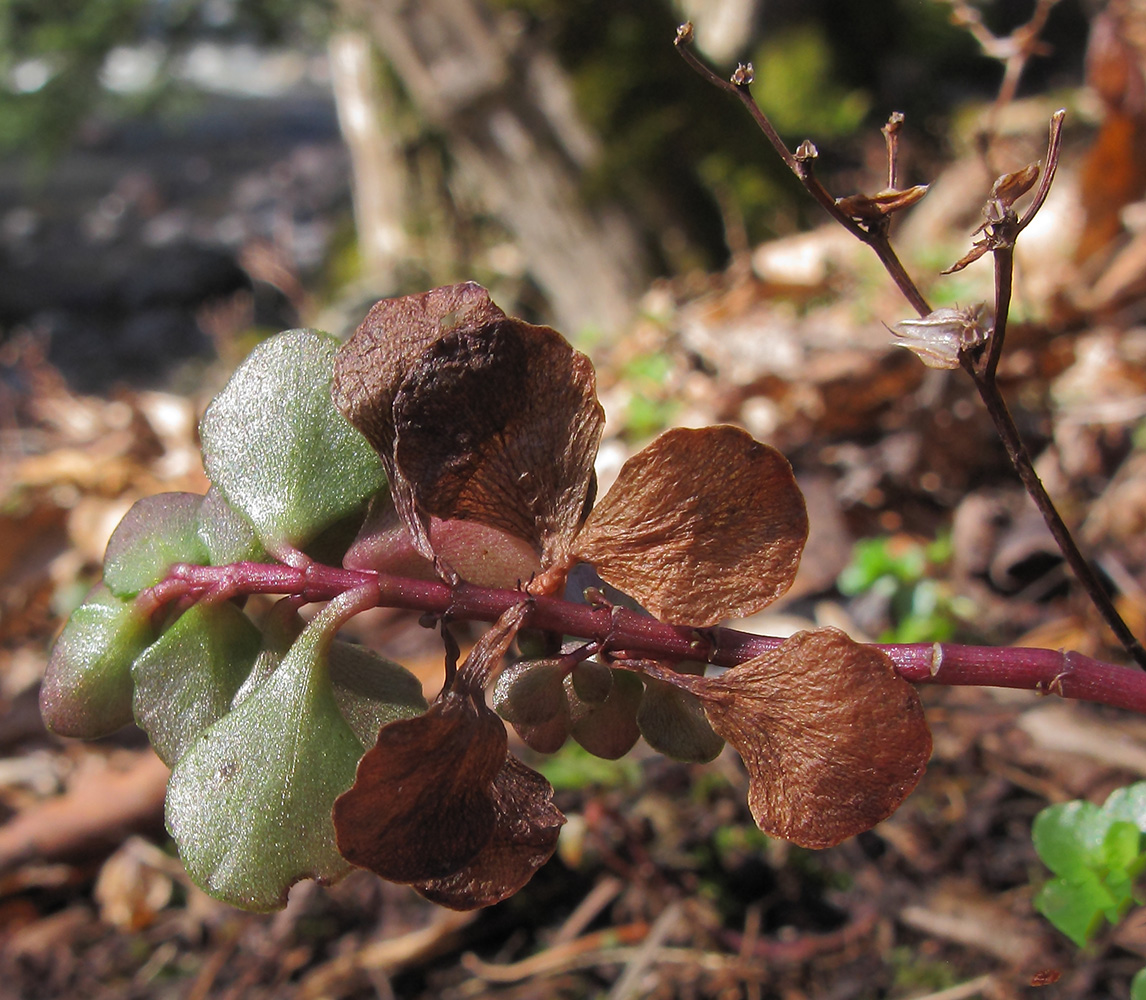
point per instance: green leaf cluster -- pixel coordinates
(262, 721)
(1097, 854)
(900, 570)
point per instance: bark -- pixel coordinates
(378, 167)
(519, 149)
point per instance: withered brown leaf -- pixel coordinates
(394, 334)
(1008, 188)
(870, 208)
(476, 416)
(524, 838)
(832, 738)
(421, 805)
(701, 525)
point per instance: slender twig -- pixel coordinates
(1004, 286)
(1067, 674)
(1001, 231)
(800, 163)
(891, 136)
(1021, 460)
(1001, 234)
(1014, 51)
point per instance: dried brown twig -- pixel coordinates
(947, 338)
(1014, 51)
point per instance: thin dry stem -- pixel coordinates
(1014, 51)
(1001, 234)
(891, 136)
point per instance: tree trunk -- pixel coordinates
(376, 161)
(518, 148)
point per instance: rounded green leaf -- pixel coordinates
(187, 678)
(673, 722)
(371, 691)
(249, 803)
(1068, 837)
(156, 533)
(609, 728)
(531, 692)
(592, 681)
(227, 535)
(1122, 846)
(1128, 803)
(550, 736)
(86, 691)
(1138, 985)
(277, 448)
(1075, 906)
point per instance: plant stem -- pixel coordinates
(982, 372)
(623, 632)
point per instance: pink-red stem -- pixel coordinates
(1066, 674)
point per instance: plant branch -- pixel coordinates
(1002, 229)
(1021, 460)
(1014, 51)
(1001, 235)
(800, 163)
(625, 633)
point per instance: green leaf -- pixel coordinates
(249, 803)
(371, 691)
(277, 448)
(87, 687)
(1076, 906)
(1120, 885)
(281, 626)
(673, 723)
(187, 678)
(531, 692)
(1068, 837)
(156, 533)
(609, 728)
(1128, 803)
(227, 535)
(1138, 985)
(1122, 845)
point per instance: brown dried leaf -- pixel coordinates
(832, 738)
(423, 804)
(420, 807)
(1008, 188)
(870, 208)
(700, 526)
(524, 838)
(978, 248)
(476, 416)
(394, 334)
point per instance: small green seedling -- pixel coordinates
(1097, 855)
(900, 570)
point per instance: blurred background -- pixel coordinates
(181, 178)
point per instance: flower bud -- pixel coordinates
(942, 336)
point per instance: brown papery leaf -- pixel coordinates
(978, 248)
(422, 805)
(524, 838)
(394, 334)
(869, 208)
(501, 425)
(700, 526)
(476, 416)
(1008, 188)
(832, 737)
